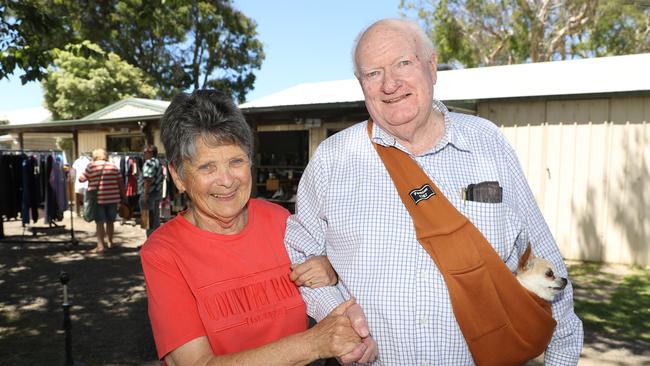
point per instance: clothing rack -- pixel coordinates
(72, 241)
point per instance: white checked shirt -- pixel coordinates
(348, 208)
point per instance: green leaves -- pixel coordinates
(497, 32)
(83, 79)
(179, 44)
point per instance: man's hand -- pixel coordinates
(314, 272)
(334, 335)
(368, 352)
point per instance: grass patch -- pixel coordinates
(612, 305)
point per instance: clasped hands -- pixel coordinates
(344, 333)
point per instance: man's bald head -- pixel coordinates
(406, 28)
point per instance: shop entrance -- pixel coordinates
(280, 160)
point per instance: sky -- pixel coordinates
(304, 41)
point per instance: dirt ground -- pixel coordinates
(106, 291)
(108, 298)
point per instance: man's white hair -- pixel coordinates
(423, 42)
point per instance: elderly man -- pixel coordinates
(348, 207)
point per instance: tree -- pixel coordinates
(29, 30)
(181, 44)
(84, 79)
(480, 33)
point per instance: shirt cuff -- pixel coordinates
(321, 301)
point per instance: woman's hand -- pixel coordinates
(314, 272)
(334, 335)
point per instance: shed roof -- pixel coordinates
(25, 116)
(124, 111)
(614, 74)
(130, 107)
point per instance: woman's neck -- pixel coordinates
(216, 225)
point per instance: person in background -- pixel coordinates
(79, 167)
(217, 275)
(349, 208)
(150, 186)
(104, 177)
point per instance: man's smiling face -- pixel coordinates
(396, 77)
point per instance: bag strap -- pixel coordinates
(492, 309)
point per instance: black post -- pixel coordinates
(73, 241)
(64, 278)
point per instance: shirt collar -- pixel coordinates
(452, 136)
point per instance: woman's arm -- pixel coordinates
(315, 272)
(332, 337)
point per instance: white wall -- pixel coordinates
(588, 164)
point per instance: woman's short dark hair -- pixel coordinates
(209, 114)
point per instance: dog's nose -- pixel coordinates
(564, 282)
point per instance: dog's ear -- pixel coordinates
(523, 261)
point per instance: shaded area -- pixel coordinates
(590, 244)
(631, 212)
(614, 307)
(614, 223)
(107, 293)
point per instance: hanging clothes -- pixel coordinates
(57, 182)
(10, 187)
(30, 194)
(79, 167)
(31, 180)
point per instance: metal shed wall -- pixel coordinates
(588, 165)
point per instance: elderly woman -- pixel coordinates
(104, 178)
(217, 274)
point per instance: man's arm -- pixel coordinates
(567, 340)
(305, 235)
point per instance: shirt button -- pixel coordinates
(425, 363)
(424, 321)
(423, 274)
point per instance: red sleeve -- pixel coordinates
(172, 306)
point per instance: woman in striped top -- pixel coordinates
(104, 177)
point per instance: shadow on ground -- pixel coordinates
(107, 293)
(614, 307)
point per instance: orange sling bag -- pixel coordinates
(502, 322)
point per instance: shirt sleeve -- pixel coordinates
(567, 340)
(305, 236)
(172, 307)
(83, 176)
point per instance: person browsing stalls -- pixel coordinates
(150, 184)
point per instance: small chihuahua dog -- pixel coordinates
(538, 276)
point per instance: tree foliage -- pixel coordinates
(496, 32)
(29, 30)
(180, 44)
(84, 79)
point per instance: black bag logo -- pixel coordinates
(421, 194)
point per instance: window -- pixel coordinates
(124, 143)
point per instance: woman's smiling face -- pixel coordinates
(218, 181)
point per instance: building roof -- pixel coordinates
(614, 74)
(130, 107)
(25, 116)
(604, 75)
